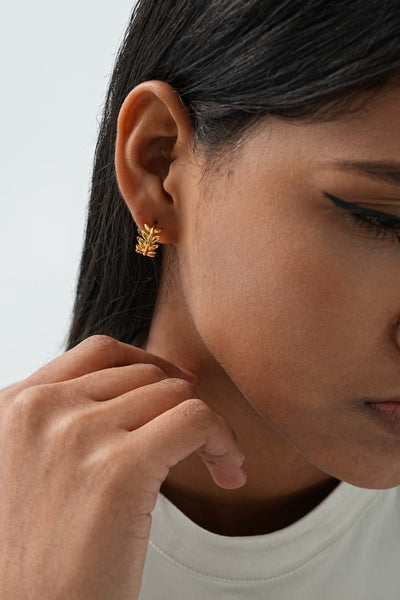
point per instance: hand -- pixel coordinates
(85, 444)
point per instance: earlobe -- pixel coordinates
(153, 128)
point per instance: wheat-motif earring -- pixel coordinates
(147, 243)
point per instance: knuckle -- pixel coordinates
(153, 371)
(140, 528)
(181, 386)
(32, 394)
(71, 432)
(28, 412)
(102, 344)
(198, 412)
(30, 404)
(100, 340)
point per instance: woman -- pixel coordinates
(242, 265)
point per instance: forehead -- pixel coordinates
(368, 131)
(377, 110)
(371, 128)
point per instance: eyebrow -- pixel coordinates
(383, 170)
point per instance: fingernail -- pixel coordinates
(189, 375)
(242, 475)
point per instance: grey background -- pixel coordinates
(56, 59)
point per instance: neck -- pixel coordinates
(230, 515)
(282, 485)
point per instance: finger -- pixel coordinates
(190, 427)
(109, 384)
(137, 407)
(96, 353)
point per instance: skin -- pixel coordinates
(85, 444)
(288, 317)
(285, 311)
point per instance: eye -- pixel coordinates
(382, 224)
(381, 227)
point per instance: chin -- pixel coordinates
(383, 480)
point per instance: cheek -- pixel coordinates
(280, 303)
(295, 316)
(289, 329)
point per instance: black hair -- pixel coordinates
(232, 62)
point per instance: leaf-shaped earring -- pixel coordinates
(147, 243)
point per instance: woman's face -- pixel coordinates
(293, 299)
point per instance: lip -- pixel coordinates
(387, 413)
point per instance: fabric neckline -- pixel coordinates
(258, 557)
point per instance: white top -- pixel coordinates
(346, 548)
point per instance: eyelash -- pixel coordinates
(380, 223)
(381, 226)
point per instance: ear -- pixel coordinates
(154, 129)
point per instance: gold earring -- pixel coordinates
(147, 246)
